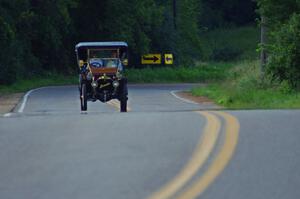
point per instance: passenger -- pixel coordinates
(114, 62)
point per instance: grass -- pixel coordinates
(202, 73)
(45, 80)
(243, 89)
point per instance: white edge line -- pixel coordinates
(24, 101)
(25, 98)
(182, 99)
(7, 114)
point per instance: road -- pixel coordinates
(164, 147)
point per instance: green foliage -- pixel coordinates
(278, 12)
(187, 45)
(283, 22)
(285, 88)
(244, 89)
(38, 36)
(253, 99)
(230, 44)
(49, 79)
(228, 13)
(9, 67)
(200, 73)
(34, 37)
(284, 59)
(225, 54)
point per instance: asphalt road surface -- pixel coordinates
(164, 147)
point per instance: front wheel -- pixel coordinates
(123, 105)
(83, 99)
(123, 96)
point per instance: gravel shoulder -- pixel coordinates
(9, 101)
(197, 99)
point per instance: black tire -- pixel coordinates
(123, 105)
(83, 99)
(123, 96)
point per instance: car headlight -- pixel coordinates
(115, 84)
(94, 84)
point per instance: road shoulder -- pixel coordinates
(197, 99)
(9, 101)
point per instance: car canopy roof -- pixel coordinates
(100, 44)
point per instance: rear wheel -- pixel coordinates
(83, 99)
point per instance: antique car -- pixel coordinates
(101, 67)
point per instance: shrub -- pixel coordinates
(284, 62)
(8, 56)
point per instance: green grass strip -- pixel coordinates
(48, 80)
(243, 89)
(200, 73)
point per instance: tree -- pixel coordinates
(220, 13)
(283, 39)
(40, 35)
(10, 54)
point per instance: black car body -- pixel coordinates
(101, 67)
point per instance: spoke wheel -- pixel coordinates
(123, 105)
(83, 99)
(123, 97)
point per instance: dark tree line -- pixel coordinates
(35, 36)
(220, 13)
(39, 35)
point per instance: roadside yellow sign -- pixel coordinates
(151, 59)
(168, 58)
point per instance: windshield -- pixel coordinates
(105, 62)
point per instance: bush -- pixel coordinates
(244, 89)
(285, 88)
(9, 62)
(284, 62)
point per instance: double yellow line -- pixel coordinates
(175, 188)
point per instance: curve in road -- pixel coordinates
(165, 115)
